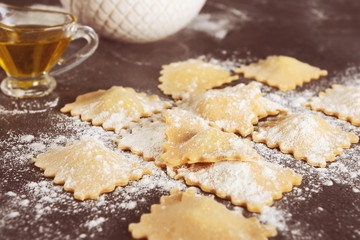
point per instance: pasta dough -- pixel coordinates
(233, 109)
(145, 139)
(253, 184)
(282, 72)
(306, 136)
(87, 168)
(191, 140)
(340, 101)
(115, 108)
(183, 215)
(192, 77)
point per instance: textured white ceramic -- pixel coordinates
(134, 20)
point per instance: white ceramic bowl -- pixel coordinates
(134, 20)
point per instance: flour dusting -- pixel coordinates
(220, 22)
(39, 198)
(36, 199)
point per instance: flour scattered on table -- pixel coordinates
(95, 223)
(216, 26)
(27, 105)
(38, 199)
(272, 215)
(220, 22)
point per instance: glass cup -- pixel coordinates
(32, 41)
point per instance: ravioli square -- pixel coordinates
(184, 215)
(282, 72)
(253, 184)
(232, 109)
(181, 79)
(306, 136)
(340, 101)
(145, 138)
(115, 108)
(190, 140)
(87, 168)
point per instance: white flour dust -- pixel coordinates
(38, 198)
(219, 23)
(27, 106)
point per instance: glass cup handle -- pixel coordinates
(92, 43)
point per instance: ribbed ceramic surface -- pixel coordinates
(135, 20)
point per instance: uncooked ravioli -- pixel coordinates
(282, 72)
(232, 109)
(115, 108)
(145, 138)
(181, 79)
(340, 101)
(306, 136)
(87, 168)
(190, 140)
(184, 215)
(253, 184)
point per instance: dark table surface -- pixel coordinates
(324, 33)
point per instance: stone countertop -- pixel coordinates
(324, 33)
